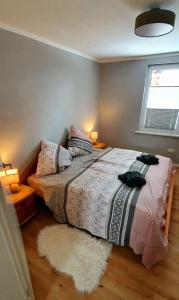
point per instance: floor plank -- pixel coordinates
(125, 279)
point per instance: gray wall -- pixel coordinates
(43, 90)
(120, 105)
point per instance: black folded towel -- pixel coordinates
(132, 179)
(148, 159)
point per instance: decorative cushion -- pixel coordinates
(52, 159)
(75, 151)
(64, 158)
(79, 144)
(47, 160)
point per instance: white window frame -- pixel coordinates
(153, 131)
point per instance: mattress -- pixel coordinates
(89, 195)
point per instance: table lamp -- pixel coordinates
(10, 177)
(94, 137)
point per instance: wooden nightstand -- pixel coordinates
(24, 203)
(100, 146)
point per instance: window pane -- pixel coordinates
(163, 119)
(163, 97)
(160, 111)
(166, 77)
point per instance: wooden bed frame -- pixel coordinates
(31, 168)
(169, 205)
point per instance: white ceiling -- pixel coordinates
(99, 29)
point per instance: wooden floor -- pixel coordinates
(126, 278)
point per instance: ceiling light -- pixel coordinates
(155, 22)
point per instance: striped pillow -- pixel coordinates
(79, 144)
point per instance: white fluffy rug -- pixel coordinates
(76, 253)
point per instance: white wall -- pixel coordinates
(10, 288)
(15, 281)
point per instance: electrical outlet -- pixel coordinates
(171, 150)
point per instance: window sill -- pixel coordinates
(155, 133)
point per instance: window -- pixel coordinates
(160, 109)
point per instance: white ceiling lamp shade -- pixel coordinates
(155, 22)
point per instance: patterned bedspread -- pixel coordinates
(90, 196)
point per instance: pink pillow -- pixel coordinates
(79, 143)
(75, 132)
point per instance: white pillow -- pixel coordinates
(75, 151)
(64, 158)
(47, 160)
(52, 158)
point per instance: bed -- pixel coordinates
(89, 195)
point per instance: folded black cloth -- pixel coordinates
(148, 159)
(132, 179)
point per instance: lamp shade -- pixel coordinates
(155, 22)
(94, 135)
(2, 173)
(9, 177)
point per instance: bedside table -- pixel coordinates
(24, 202)
(100, 146)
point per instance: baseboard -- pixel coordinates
(176, 165)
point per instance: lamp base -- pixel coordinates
(94, 142)
(14, 188)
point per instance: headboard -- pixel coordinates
(29, 170)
